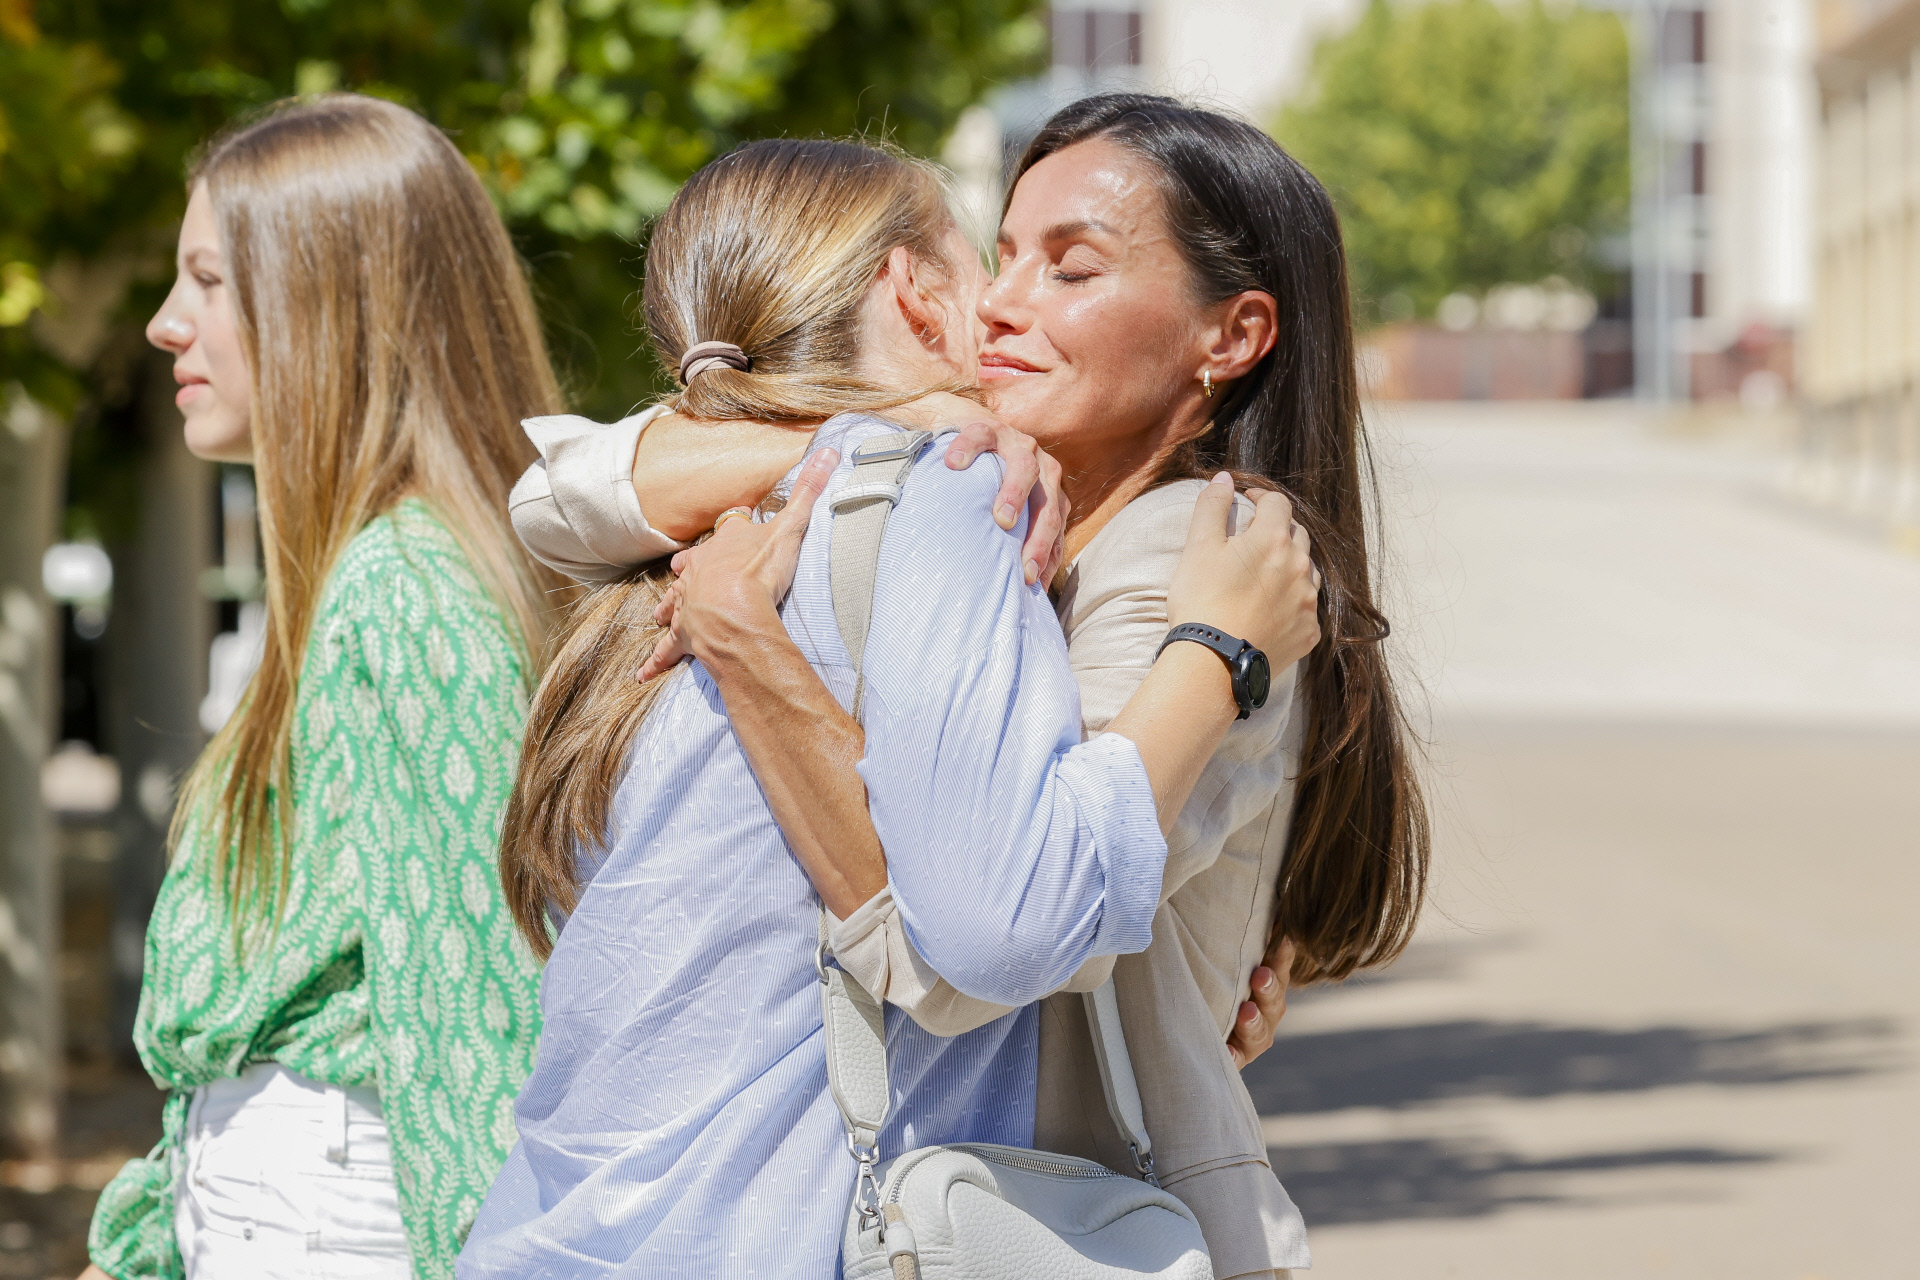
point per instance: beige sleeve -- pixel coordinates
(871, 944)
(1208, 1144)
(575, 509)
(1209, 1148)
(1116, 619)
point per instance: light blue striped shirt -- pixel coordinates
(678, 1121)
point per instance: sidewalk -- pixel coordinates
(1659, 1021)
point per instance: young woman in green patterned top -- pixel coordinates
(335, 995)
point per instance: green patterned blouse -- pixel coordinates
(396, 963)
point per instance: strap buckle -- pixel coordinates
(891, 448)
(866, 1189)
(865, 485)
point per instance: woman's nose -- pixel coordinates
(169, 331)
(997, 306)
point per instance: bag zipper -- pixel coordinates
(1012, 1158)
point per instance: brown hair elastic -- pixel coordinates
(702, 356)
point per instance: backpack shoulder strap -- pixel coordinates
(855, 1031)
(860, 510)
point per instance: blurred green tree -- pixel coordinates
(63, 142)
(582, 116)
(1468, 144)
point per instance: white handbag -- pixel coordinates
(975, 1210)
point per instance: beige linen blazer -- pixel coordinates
(1179, 997)
(576, 511)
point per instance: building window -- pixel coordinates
(1699, 300)
(1699, 159)
(1094, 40)
(1684, 37)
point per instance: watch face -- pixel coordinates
(1259, 678)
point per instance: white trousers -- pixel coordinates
(288, 1179)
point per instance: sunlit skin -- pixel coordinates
(196, 326)
(1083, 350)
(916, 328)
(1087, 347)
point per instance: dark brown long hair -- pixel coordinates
(1248, 216)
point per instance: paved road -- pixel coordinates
(1660, 1021)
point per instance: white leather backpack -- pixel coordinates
(976, 1210)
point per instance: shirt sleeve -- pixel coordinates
(1015, 851)
(131, 1236)
(420, 715)
(1118, 621)
(575, 509)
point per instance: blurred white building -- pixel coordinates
(1245, 56)
(1722, 250)
(1723, 125)
(1862, 441)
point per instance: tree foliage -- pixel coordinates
(63, 143)
(1468, 144)
(582, 116)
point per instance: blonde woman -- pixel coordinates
(334, 995)
(678, 1120)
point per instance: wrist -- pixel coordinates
(1200, 670)
(1249, 674)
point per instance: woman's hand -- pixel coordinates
(1259, 584)
(737, 578)
(1259, 1017)
(1032, 479)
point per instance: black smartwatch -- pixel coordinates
(1252, 677)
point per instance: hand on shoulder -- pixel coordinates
(1032, 478)
(1258, 583)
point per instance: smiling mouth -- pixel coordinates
(1004, 367)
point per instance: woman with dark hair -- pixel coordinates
(1172, 300)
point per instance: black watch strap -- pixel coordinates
(1230, 649)
(1220, 642)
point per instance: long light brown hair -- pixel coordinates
(394, 347)
(1247, 216)
(773, 248)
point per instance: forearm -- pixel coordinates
(803, 747)
(687, 471)
(1176, 720)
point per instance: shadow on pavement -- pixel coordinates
(1412, 1065)
(1397, 1181)
(1427, 960)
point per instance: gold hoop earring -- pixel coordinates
(1206, 380)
